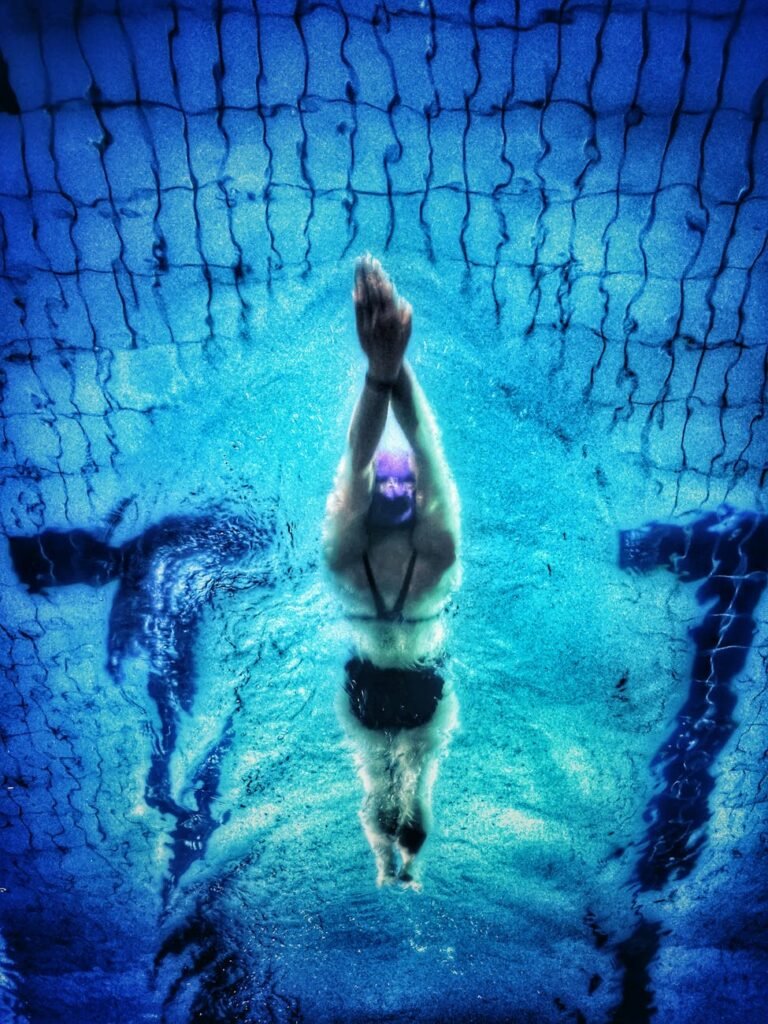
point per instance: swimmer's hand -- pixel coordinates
(383, 319)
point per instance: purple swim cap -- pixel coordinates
(394, 464)
(393, 503)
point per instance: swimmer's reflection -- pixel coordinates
(166, 576)
(391, 539)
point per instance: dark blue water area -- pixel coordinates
(573, 197)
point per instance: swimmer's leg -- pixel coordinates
(417, 755)
(416, 771)
(379, 814)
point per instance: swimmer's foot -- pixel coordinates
(409, 875)
(386, 867)
(408, 881)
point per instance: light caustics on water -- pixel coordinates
(573, 197)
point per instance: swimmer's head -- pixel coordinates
(393, 502)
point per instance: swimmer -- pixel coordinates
(391, 543)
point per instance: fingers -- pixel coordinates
(366, 294)
(362, 271)
(372, 284)
(379, 288)
(361, 297)
(377, 303)
(366, 268)
(360, 319)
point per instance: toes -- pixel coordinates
(407, 881)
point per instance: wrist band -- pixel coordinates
(379, 385)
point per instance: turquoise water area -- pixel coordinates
(574, 198)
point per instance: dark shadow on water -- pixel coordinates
(166, 577)
(635, 956)
(728, 551)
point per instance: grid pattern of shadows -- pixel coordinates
(593, 173)
(599, 168)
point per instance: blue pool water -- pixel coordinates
(574, 197)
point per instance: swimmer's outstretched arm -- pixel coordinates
(345, 534)
(365, 430)
(439, 511)
(384, 329)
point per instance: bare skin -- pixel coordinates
(397, 766)
(384, 329)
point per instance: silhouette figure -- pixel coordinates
(727, 551)
(166, 576)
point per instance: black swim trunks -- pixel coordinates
(392, 698)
